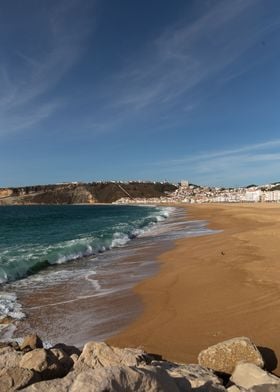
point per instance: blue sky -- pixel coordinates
(150, 89)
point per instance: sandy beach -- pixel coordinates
(214, 287)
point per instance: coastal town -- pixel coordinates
(138, 192)
(190, 193)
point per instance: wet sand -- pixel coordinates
(91, 298)
(214, 287)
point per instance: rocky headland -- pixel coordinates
(235, 365)
(83, 193)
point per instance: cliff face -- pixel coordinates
(63, 195)
(5, 192)
(82, 193)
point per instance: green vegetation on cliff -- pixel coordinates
(72, 193)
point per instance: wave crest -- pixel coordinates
(32, 260)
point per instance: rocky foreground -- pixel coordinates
(234, 365)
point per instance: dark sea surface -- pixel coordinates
(67, 271)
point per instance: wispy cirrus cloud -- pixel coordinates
(24, 99)
(168, 74)
(228, 166)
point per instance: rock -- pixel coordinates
(264, 388)
(234, 388)
(15, 378)
(64, 359)
(9, 357)
(6, 320)
(209, 387)
(11, 343)
(35, 360)
(197, 375)
(74, 358)
(56, 385)
(32, 341)
(125, 378)
(68, 349)
(224, 356)
(247, 375)
(97, 354)
(46, 363)
(111, 379)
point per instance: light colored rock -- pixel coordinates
(265, 388)
(247, 375)
(68, 349)
(47, 363)
(197, 375)
(63, 358)
(9, 357)
(11, 343)
(14, 378)
(233, 388)
(111, 379)
(35, 360)
(224, 356)
(97, 354)
(56, 385)
(124, 378)
(74, 358)
(209, 387)
(6, 320)
(32, 341)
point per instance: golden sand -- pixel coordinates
(214, 287)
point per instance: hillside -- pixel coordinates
(74, 193)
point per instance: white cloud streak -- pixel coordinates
(23, 101)
(164, 75)
(236, 165)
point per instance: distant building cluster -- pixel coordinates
(188, 193)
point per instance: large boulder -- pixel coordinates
(14, 378)
(125, 378)
(247, 375)
(224, 356)
(111, 379)
(97, 354)
(49, 363)
(196, 375)
(37, 360)
(55, 385)
(31, 342)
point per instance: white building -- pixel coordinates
(184, 183)
(271, 196)
(253, 196)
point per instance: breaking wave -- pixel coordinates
(21, 260)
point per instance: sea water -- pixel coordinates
(34, 237)
(61, 266)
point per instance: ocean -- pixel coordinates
(66, 266)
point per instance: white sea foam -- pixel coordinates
(26, 260)
(10, 307)
(119, 239)
(94, 282)
(50, 278)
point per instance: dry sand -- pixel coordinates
(214, 287)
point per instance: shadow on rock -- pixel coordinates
(269, 357)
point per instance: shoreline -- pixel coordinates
(212, 288)
(105, 303)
